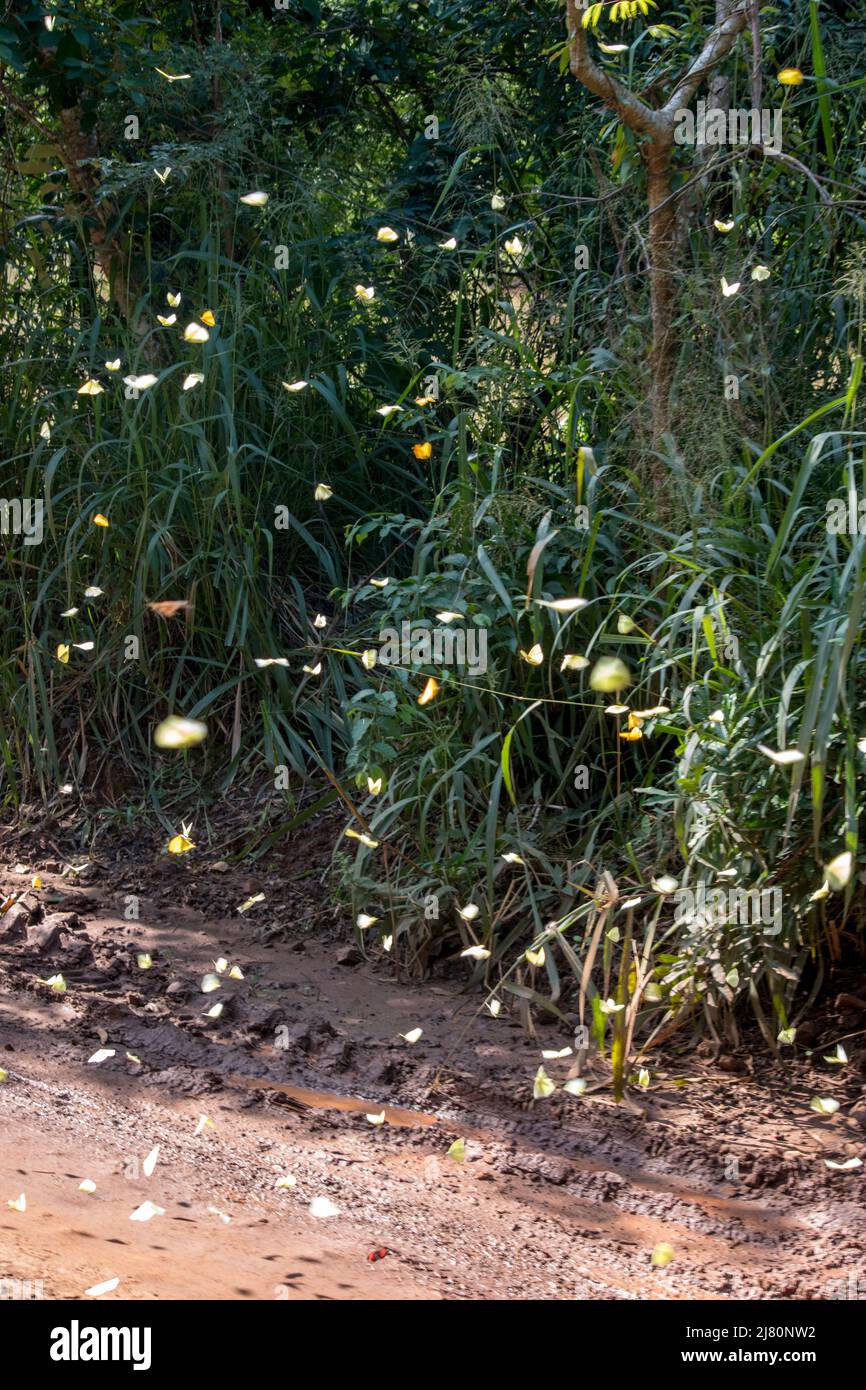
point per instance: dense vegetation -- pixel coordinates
(455, 225)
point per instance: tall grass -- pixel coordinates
(737, 612)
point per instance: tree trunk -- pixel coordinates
(657, 126)
(78, 149)
(662, 271)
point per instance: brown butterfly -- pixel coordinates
(170, 607)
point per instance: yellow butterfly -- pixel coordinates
(542, 1086)
(366, 840)
(179, 844)
(534, 656)
(177, 732)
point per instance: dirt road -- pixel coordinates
(564, 1198)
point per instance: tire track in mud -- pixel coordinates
(557, 1200)
(589, 1228)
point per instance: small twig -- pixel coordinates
(791, 163)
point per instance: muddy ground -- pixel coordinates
(563, 1198)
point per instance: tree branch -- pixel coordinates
(718, 45)
(7, 99)
(392, 115)
(791, 163)
(630, 109)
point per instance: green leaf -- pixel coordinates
(820, 68)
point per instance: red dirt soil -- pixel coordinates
(563, 1198)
